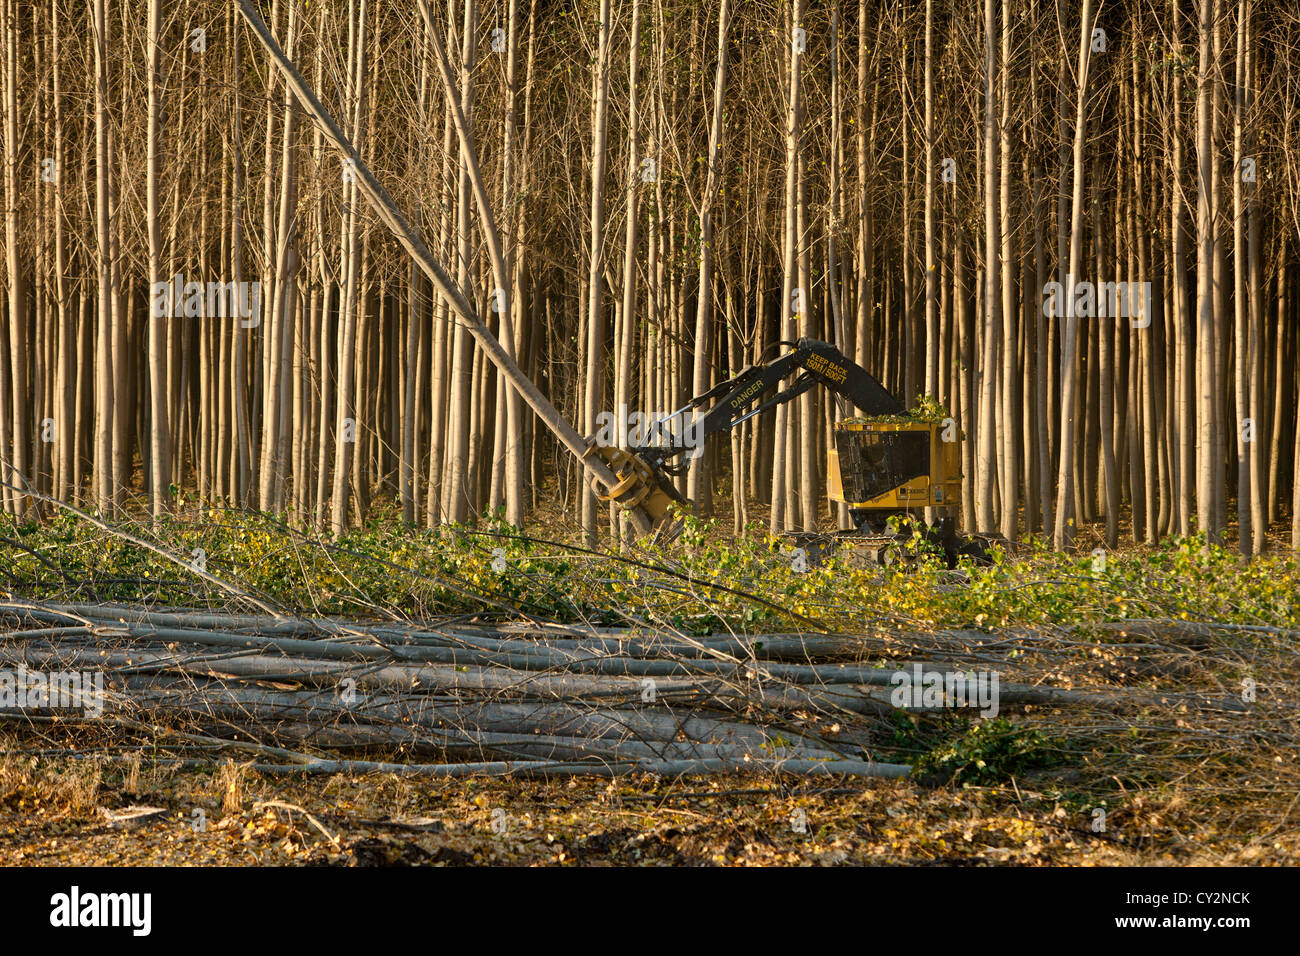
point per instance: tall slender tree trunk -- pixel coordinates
(1008, 444)
(105, 492)
(1064, 531)
(932, 352)
(159, 427)
(1209, 469)
(698, 484)
(987, 433)
(595, 317)
(346, 427)
(789, 308)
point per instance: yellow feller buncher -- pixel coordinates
(884, 465)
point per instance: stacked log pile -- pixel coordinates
(454, 697)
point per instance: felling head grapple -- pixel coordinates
(639, 482)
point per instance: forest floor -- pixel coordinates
(1188, 754)
(61, 815)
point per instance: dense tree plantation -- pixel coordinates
(650, 432)
(1074, 225)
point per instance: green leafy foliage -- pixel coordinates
(927, 410)
(702, 582)
(988, 752)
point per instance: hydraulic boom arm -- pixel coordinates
(643, 470)
(820, 362)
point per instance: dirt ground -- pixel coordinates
(67, 812)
